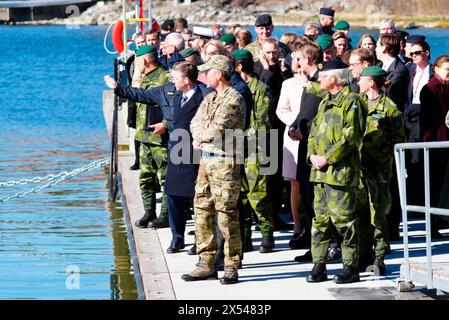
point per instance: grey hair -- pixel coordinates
(310, 24)
(390, 22)
(175, 39)
(341, 75)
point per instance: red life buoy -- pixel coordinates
(117, 36)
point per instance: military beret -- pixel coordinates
(324, 41)
(168, 25)
(342, 25)
(242, 54)
(145, 50)
(263, 20)
(187, 52)
(374, 71)
(332, 65)
(201, 32)
(228, 39)
(217, 62)
(327, 11)
(414, 38)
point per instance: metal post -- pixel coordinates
(403, 198)
(136, 9)
(150, 21)
(428, 226)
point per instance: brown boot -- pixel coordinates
(231, 276)
(203, 272)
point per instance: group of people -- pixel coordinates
(326, 114)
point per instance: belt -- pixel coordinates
(207, 155)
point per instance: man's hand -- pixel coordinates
(159, 128)
(196, 145)
(318, 161)
(264, 61)
(110, 82)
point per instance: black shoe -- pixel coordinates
(231, 276)
(306, 257)
(191, 233)
(333, 255)
(266, 245)
(176, 247)
(135, 166)
(192, 250)
(318, 273)
(160, 222)
(280, 225)
(347, 275)
(300, 240)
(146, 219)
(379, 267)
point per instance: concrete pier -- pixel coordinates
(272, 276)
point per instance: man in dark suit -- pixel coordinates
(387, 50)
(179, 102)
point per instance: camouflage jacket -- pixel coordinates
(263, 110)
(218, 112)
(154, 78)
(384, 128)
(336, 134)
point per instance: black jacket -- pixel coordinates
(399, 77)
(180, 178)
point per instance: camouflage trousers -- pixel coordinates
(373, 205)
(153, 168)
(254, 197)
(335, 204)
(216, 194)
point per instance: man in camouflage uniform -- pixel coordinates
(333, 144)
(218, 184)
(384, 128)
(153, 147)
(254, 193)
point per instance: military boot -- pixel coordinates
(379, 266)
(160, 222)
(202, 272)
(192, 250)
(300, 240)
(318, 273)
(247, 244)
(231, 276)
(146, 219)
(333, 255)
(349, 274)
(267, 244)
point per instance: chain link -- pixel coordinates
(51, 179)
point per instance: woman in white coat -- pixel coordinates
(287, 110)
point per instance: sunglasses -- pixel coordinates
(416, 53)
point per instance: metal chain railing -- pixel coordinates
(51, 179)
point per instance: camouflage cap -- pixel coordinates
(145, 50)
(217, 62)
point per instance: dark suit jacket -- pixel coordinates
(180, 178)
(399, 77)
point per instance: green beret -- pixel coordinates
(228, 39)
(374, 71)
(187, 52)
(145, 50)
(242, 54)
(324, 41)
(342, 25)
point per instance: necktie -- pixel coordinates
(184, 100)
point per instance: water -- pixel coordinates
(51, 120)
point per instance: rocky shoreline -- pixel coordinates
(207, 12)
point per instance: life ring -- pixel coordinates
(117, 36)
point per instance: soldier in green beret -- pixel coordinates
(153, 147)
(229, 41)
(384, 128)
(344, 27)
(326, 44)
(333, 144)
(254, 194)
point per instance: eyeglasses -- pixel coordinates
(416, 53)
(353, 65)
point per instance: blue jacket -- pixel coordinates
(180, 178)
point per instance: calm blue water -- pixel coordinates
(51, 120)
